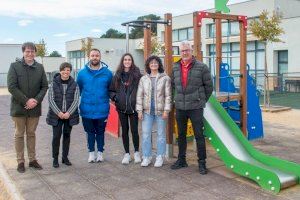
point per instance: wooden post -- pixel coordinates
(147, 41)
(243, 77)
(218, 25)
(197, 38)
(168, 61)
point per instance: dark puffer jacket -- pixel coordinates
(25, 82)
(58, 93)
(125, 98)
(199, 86)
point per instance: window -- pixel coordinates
(183, 34)
(236, 46)
(282, 62)
(175, 50)
(260, 45)
(225, 30)
(175, 35)
(234, 28)
(211, 28)
(162, 36)
(260, 60)
(190, 33)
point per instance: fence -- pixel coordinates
(3, 78)
(284, 88)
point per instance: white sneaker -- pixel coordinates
(126, 159)
(137, 157)
(159, 161)
(100, 157)
(146, 161)
(91, 157)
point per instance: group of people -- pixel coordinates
(138, 98)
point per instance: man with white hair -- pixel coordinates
(193, 86)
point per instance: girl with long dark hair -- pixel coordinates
(123, 90)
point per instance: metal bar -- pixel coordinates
(127, 38)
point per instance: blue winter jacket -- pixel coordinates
(94, 92)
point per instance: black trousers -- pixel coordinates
(62, 128)
(133, 118)
(196, 116)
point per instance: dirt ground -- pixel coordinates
(288, 118)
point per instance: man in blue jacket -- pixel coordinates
(93, 81)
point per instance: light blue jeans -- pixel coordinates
(147, 125)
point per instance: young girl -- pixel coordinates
(123, 90)
(154, 104)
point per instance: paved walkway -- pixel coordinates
(111, 180)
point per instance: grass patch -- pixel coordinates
(289, 99)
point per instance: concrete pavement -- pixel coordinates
(112, 180)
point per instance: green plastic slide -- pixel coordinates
(241, 157)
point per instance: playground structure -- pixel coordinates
(228, 139)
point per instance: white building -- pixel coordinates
(111, 52)
(10, 52)
(281, 57)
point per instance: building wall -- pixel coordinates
(51, 63)
(289, 8)
(252, 9)
(111, 51)
(291, 43)
(10, 52)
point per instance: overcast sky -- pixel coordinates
(58, 21)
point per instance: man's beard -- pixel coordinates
(95, 62)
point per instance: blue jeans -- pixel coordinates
(147, 125)
(94, 129)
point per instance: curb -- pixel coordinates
(9, 185)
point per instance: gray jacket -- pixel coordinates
(199, 86)
(162, 94)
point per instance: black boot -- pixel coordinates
(202, 167)
(55, 163)
(66, 161)
(180, 163)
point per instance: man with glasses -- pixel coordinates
(191, 80)
(27, 83)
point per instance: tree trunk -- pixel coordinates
(266, 81)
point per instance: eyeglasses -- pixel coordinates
(185, 50)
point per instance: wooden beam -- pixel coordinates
(197, 38)
(218, 24)
(147, 42)
(168, 61)
(243, 77)
(203, 14)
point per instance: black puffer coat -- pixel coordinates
(124, 94)
(58, 91)
(199, 86)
